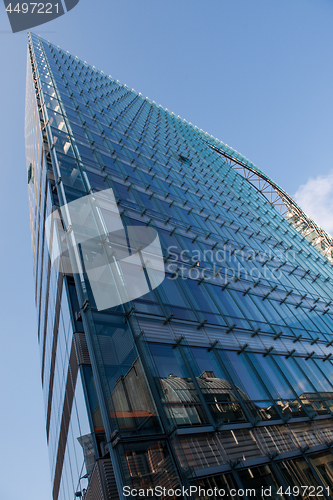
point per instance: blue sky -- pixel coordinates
(255, 74)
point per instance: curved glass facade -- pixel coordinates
(219, 377)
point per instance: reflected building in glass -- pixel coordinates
(219, 377)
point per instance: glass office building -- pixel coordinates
(220, 376)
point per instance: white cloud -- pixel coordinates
(316, 199)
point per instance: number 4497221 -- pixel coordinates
(31, 8)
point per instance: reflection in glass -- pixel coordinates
(132, 403)
(297, 473)
(251, 389)
(323, 464)
(224, 482)
(178, 394)
(215, 387)
(149, 466)
(278, 386)
(262, 480)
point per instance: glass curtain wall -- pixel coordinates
(220, 376)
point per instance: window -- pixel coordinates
(249, 386)
(215, 387)
(178, 394)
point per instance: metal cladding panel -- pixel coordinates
(108, 479)
(320, 349)
(81, 348)
(102, 485)
(275, 439)
(226, 340)
(240, 443)
(203, 451)
(164, 480)
(156, 331)
(290, 345)
(268, 341)
(306, 434)
(116, 348)
(326, 428)
(94, 491)
(191, 334)
(253, 342)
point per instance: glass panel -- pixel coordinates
(302, 386)
(320, 382)
(129, 398)
(323, 464)
(277, 385)
(294, 375)
(314, 373)
(173, 296)
(149, 466)
(56, 120)
(203, 300)
(215, 387)
(224, 482)
(249, 386)
(247, 380)
(326, 367)
(177, 390)
(262, 481)
(298, 475)
(148, 304)
(52, 103)
(70, 172)
(125, 194)
(62, 143)
(274, 380)
(132, 402)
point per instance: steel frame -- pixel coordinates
(283, 203)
